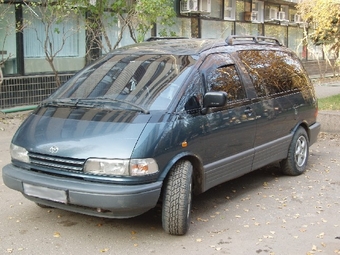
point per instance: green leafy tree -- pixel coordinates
(324, 17)
(55, 17)
(6, 29)
(137, 17)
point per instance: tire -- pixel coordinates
(296, 161)
(177, 198)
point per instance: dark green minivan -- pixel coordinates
(163, 120)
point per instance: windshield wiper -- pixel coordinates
(70, 102)
(93, 102)
(112, 100)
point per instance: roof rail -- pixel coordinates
(155, 38)
(245, 39)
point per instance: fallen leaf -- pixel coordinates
(321, 235)
(56, 234)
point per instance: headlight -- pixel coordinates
(134, 167)
(19, 153)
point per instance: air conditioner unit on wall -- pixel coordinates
(205, 6)
(281, 16)
(254, 16)
(272, 13)
(187, 6)
(297, 19)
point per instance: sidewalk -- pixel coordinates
(327, 89)
(330, 120)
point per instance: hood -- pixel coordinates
(81, 133)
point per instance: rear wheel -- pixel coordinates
(177, 197)
(296, 161)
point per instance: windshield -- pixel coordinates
(130, 81)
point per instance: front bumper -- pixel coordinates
(98, 199)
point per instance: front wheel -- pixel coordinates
(296, 161)
(177, 197)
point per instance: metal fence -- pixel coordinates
(31, 90)
(28, 90)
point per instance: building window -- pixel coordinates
(283, 14)
(63, 36)
(216, 29)
(271, 13)
(182, 27)
(8, 45)
(246, 28)
(257, 12)
(65, 41)
(229, 9)
(216, 9)
(295, 36)
(277, 31)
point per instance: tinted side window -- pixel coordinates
(226, 79)
(274, 72)
(192, 98)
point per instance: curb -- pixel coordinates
(330, 121)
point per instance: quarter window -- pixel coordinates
(274, 72)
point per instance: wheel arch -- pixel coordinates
(198, 172)
(305, 126)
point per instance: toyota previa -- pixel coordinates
(161, 121)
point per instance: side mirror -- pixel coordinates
(214, 99)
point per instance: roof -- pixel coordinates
(195, 46)
(172, 46)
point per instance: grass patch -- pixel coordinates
(329, 103)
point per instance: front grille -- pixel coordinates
(41, 161)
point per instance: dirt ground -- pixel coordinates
(263, 212)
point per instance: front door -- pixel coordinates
(230, 130)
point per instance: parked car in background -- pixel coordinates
(163, 120)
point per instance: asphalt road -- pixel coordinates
(263, 212)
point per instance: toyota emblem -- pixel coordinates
(54, 149)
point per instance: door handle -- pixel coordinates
(248, 111)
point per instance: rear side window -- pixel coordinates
(274, 72)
